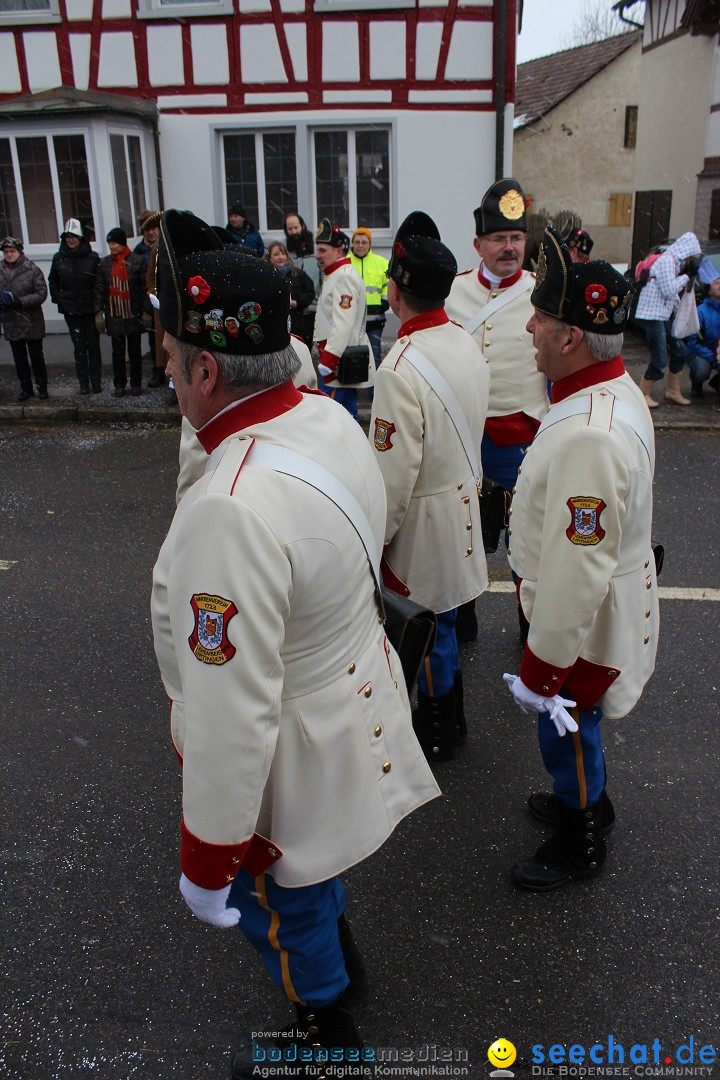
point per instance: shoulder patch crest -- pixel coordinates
(346, 301)
(383, 430)
(585, 528)
(209, 641)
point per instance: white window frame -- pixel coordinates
(349, 129)
(17, 18)
(33, 133)
(156, 9)
(127, 132)
(259, 133)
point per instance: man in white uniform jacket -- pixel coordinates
(289, 709)
(341, 313)
(434, 551)
(581, 550)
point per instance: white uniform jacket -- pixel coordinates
(515, 383)
(289, 708)
(340, 318)
(434, 549)
(581, 545)
(192, 456)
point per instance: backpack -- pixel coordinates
(642, 270)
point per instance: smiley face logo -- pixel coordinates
(502, 1053)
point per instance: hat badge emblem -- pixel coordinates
(512, 205)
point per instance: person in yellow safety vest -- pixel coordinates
(371, 268)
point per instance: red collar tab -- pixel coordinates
(245, 414)
(336, 266)
(589, 376)
(438, 317)
(504, 284)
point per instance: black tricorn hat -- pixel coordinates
(421, 264)
(593, 296)
(579, 238)
(503, 207)
(216, 297)
(327, 233)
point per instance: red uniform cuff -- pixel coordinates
(541, 677)
(211, 866)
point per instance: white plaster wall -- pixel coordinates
(427, 45)
(470, 55)
(9, 70)
(575, 159)
(296, 37)
(463, 142)
(43, 63)
(260, 55)
(79, 10)
(117, 60)
(80, 53)
(211, 66)
(165, 55)
(116, 9)
(340, 52)
(675, 93)
(387, 50)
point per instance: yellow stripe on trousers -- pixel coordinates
(273, 939)
(579, 763)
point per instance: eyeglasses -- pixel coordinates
(516, 239)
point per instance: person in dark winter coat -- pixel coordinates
(302, 288)
(300, 243)
(149, 225)
(22, 293)
(702, 348)
(120, 303)
(72, 286)
(243, 231)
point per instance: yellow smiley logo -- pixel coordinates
(502, 1053)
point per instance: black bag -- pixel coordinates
(354, 365)
(494, 505)
(410, 629)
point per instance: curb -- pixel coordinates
(56, 414)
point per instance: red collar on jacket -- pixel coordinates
(504, 284)
(246, 412)
(438, 317)
(589, 376)
(336, 266)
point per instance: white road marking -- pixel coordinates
(668, 593)
(5, 564)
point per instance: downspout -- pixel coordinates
(500, 88)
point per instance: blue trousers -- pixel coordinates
(501, 463)
(374, 331)
(437, 675)
(661, 344)
(295, 931)
(575, 761)
(346, 398)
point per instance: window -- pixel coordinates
(362, 5)
(631, 120)
(130, 192)
(29, 11)
(261, 175)
(352, 176)
(620, 209)
(43, 181)
(174, 9)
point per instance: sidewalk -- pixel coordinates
(153, 407)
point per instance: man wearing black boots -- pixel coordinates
(289, 710)
(580, 548)
(431, 395)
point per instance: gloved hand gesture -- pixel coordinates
(326, 371)
(208, 905)
(531, 702)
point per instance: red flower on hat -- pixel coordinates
(596, 294)
(398, 249)
(199, 289)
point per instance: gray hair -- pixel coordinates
(602, 347)
(243, 370)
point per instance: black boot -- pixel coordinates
(435, 724)
(696, 389)
(576, 850)
(545, 806)
(317, 1029)
(354, 963)
(466, 624)
(460, 708)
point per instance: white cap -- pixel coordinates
(72, 227)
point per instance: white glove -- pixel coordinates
(325, 370)
(531, 702)
(208, 905)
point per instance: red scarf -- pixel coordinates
(119, 286)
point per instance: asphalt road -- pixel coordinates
(106, 974)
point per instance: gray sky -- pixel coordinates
(545, 24)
